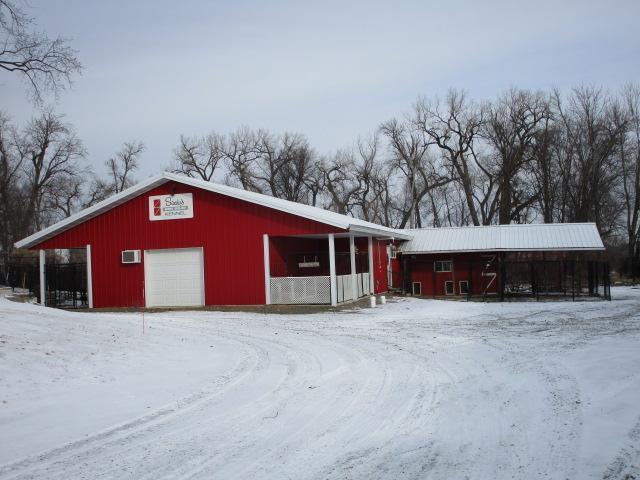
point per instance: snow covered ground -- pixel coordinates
(412, 389)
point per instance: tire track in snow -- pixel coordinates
(626, 465)
(387, 402)
(108, 437)
(123, 443)
(278, 440)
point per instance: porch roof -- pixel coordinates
(520, 237)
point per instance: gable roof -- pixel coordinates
(306, 211)
(514, 237)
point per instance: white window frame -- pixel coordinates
(393, 252)
(453, 287)
(441, 262)
(466, 282)
(413, 288)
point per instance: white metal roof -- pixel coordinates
(312, 213)
(527, 237)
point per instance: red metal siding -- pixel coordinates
(380, 265)
(396, 268)
(285, 255)
(229, 230)
(286, 252)
(466, 266)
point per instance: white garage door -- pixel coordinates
(174, 278)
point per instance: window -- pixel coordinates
(393, 251)
(464, 287)
(448, 288)
(442, 265)
(417, 288)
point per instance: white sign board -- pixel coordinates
(171, 207)
(308, 264)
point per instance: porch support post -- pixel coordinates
(352, 256)
(332, 271)
(43, 287)
(503, 274)
(267, 270)
(89, 278)
(371, 282)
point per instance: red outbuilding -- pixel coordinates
(498, 261)
(176, 241)
(173, 240)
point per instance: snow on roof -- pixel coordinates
(306, 211)
(299, 209)
(527, 237)
(556, 236)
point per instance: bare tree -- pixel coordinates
(40, 177)
(123, 164)
(200, 157)
(454, 128)
(46, 64)
(591, 125)
(383, 192)
(358, 183)
(297, 159)
(314, 183)
(340, 182)
(511, 127)
(421, 173)
(11, 205)
(282, 164)
(50, 150)
(64, 196)
(630, 163)
(448, 206)
(544, 168)
(241, 154)
(97, 190)
(366, 201)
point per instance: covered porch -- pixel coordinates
(318, 270)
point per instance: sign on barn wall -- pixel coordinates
(171, 207)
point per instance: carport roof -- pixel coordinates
(527, 237)
(320, 215)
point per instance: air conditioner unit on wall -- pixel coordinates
(131, 256)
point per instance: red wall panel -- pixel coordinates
(466, 266)
(229, 230)
(380, 265)
(286, 252)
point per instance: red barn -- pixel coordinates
(557, 259)
(175, 241)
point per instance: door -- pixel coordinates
(174, 278)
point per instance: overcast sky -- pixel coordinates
(330, 70)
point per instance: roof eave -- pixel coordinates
(379, 232)
(556, 249)
(146, 185)
(91, 212)
(213, 187)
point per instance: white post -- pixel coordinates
(332, 271)
(43, 287)
(354, 276)
(371, 284)
(89, 278)
(267, 270)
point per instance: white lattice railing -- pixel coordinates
(364, 283)
(344, 286)
(316, 290)
(300, 290)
